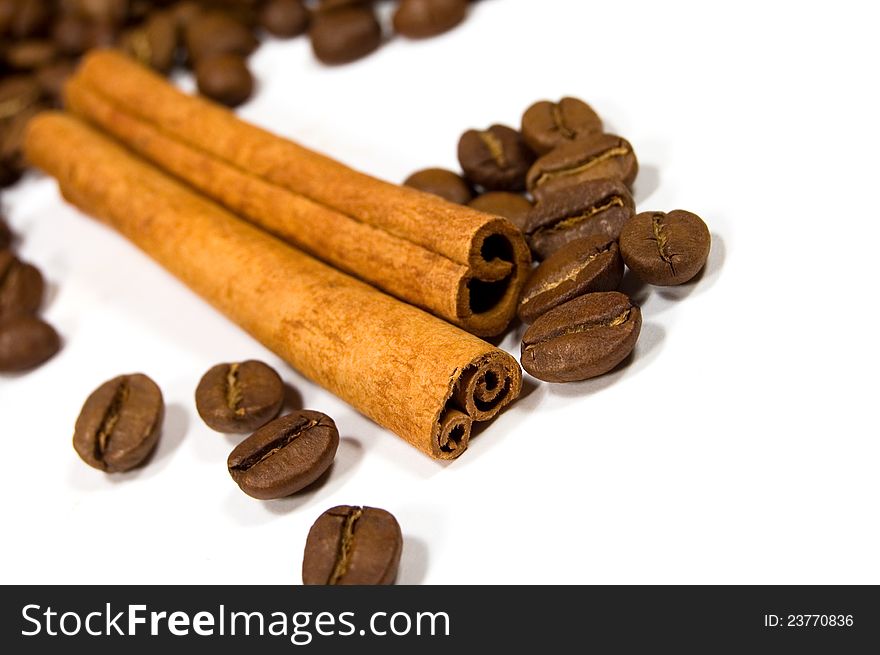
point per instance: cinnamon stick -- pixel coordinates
(465, 266)
(412, 373)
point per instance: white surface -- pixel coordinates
(739, 445)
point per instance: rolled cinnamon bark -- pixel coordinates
(465, 266)
(412, 373)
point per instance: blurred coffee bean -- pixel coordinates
(30, 54)
(216, 33)
(102, 35)
(26, 342)
(72, 34)
(339, 36)
(418, 19)
(7, 13)
(155, 42)
(51, 79)
(110, 12)
(21, 287)
(17, 93)
(224, 78)
(284, 18)
(5, 236)
(31, 18)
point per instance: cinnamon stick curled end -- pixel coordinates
(499, 264)
(478, 393)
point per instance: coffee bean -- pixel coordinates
(154, 43)
(441, 182)
(352, 546)
(120, 423)
(239, 397)
(26, 342)
(31, 18)
(224, 78)
(9, 173)
(284, 18)
(588, 158)
(343, 35)
(17, 93)
(6, 237)
(511, 206)
(216, 33)
(583, 338)
(111, 12)
(72, 34)
(497, 159)
(21, 287)
(30, 54)
(284, 456)
(418, 19)
(665, 249)
(52, 79)
(7, 13)
(578, 268)
(577, 211)
(546, 125)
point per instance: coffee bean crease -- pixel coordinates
(346, 546)
(552, 283)
(284, 439)
(495, 147)
(110, 419)
(586, 326)
(590, 162)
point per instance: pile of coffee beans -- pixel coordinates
(41, 40)
(120, 424)
(566, 184)
(26, 340)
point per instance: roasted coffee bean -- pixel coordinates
(17, 93)
(284, 18)
(441, 182)
(284, 456)
(119, 424)
(72, 34)
(5, 240)
(7, 14)
(9, 173)
(583, 338)
(418, 19)
(665, 249)
(12, 132)
(216, 33)
(103, 35)
(21, 287)
(581, 267)
(511, 206)
(52, 79)
(111, 12)
(588, 158)
(343, 35)
(546, 125)
(352, 546)
(25, 342)
(497, 159)
(224, 78)
(594, 207)
(31, 18)
(239, 397)
(154, 43)
(30, 54)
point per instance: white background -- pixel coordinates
(740, 444)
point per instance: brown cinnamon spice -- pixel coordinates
(412, 373)
(465, 266)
